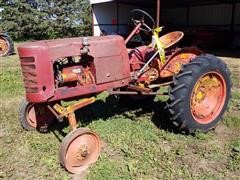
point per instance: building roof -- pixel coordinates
(167, 3)
(99, 1)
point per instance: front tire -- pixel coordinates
(35, 116)
(79, 149)
(200, 94)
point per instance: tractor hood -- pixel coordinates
(98, 47)
(108, 53)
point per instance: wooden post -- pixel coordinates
(158, 13)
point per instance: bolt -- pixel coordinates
(84, 154)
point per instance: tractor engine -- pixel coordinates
(74, 71)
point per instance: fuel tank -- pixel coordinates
(110, 66)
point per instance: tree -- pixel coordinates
(44, 19)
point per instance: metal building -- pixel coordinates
(220, 17)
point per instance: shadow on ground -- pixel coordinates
(127, 108)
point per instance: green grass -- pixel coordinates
(233, 115)
(137, 141)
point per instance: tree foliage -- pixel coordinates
(45, 19)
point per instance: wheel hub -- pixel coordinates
(79, 149)
(200, 96)
(82, 152)
(208, 97)
(31, 116)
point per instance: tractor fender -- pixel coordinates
(177, 59)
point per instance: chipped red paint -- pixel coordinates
(110, 59)
(139, 56)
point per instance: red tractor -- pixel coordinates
(61, 70)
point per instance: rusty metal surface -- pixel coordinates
(137, 93)
(29, 74)
(72, 120)
(68, 75)
(109, 69)
(139, 56)
(171, 38)
(158, 13)
(70, 92)
(39, 116)
(138, 88)
(149, 76)
(78, 74)
(136, 30)
(68, 47)
(175, 62)
(68, 111)
(111, 63)
(81, 104)
(79, 149)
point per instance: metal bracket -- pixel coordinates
(68, 112)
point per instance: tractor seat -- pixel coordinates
(171, 38)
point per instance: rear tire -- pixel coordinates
(6, 45)
(200, 94)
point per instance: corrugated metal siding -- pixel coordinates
(174, 16)
(208, 15)
(211, 15)
(237, 40)
(201, 15)
(237, 14)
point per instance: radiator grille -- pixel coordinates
(29, 74)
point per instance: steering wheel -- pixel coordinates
(140, 16)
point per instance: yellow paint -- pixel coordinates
(210, 82)
(158, 29)
(141, 85)
(199, 95)
(65, 111)
(64, 76)
(72, 108)
(184, 56)
(58, 108)
(159, 44)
